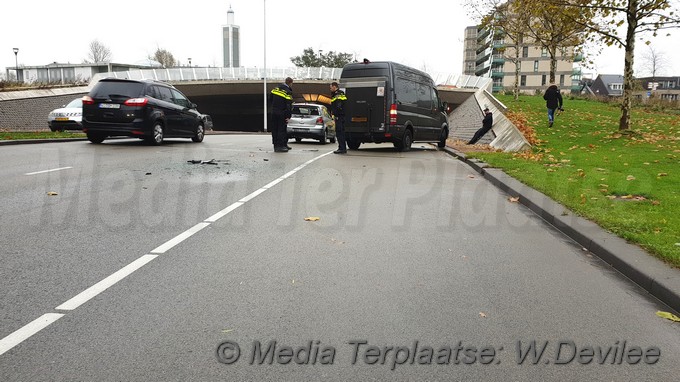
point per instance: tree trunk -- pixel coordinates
(515, 90)
(552, 51)
(624, 122)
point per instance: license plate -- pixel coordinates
(61, 119)
(109, 106)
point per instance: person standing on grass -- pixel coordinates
(553, 101)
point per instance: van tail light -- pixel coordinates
(319, 121)
(136, 102)
(393, 114)
(87, 100)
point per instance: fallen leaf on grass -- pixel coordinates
(312, 219)
(514, 199)
(630, 177)
(52, 193)
(668, 316)
(662, 174)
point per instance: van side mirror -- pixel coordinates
(444, 107)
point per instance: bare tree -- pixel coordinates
(654, 62)
(165, 58)
(98, 52)
(620, 23)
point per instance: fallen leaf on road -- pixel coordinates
(471, 176)
(312, 219)
(227, 330)
(482, 314)
(668, 316)
(52, 193)
(514, 199)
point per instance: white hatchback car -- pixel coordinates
(68, 117)
(312, 121)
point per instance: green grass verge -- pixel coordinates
(14, 135)
(627, 183)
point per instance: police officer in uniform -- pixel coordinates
(282, 106)
(338, 99)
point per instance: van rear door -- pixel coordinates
(365, 108)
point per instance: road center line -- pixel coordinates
(28, 330)
(45, 320)
(103, 285)
(46, 171)
(180, 238)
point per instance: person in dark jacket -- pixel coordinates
(282, 107)
(553, 101)
(486, 126)
(338, 99)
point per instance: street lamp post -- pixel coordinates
(16, 62)
(264, 109)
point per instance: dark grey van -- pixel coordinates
(390, 102)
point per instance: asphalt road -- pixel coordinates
(144, 266)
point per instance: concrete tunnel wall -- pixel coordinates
(238, 106)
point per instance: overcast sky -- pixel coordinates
(427, 34)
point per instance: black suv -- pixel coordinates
(145, 109)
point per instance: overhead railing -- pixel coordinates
(256, 74)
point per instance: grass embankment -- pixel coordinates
(627, 183)
(14, 135)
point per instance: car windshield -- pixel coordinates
(305, 110)
(76, 103)
(117, 89)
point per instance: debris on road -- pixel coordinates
(52, 193)
(312, 219)
(668, 316)
(198, 161)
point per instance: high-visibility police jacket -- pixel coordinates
(282, 100)
(338, 99)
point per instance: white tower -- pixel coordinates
(231, 47)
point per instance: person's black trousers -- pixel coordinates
(340, 133)
(279, 131)
(478, 135)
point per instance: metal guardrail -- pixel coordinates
(274, 74)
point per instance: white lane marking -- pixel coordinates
(27, 331)
(46, 171)
(103, 285)
(180, 238)
(43, 321)
(224, 212)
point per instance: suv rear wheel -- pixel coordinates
(95, 138)
(200, 133)
(156, 137)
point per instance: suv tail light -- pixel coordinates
(136, 102)
(319, 121)
(87, 100)
(393, 114)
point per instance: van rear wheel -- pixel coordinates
(353, 143)
(406, 141)
(442, 139)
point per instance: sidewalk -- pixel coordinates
(650, 273)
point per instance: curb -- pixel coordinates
(650, 273)
(31, 141)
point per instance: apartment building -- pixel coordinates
(487, 54)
